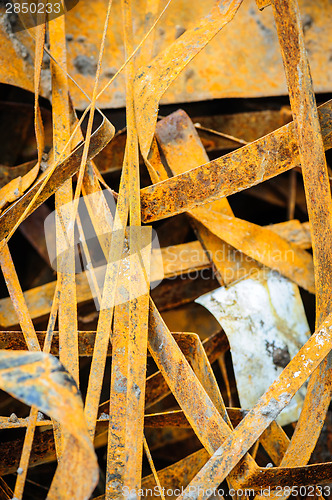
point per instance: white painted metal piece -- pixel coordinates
(264, 320)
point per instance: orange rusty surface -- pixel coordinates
(317, 187)
(263, 413)
(233, 65)
(177, 260)
(267, 157)
(58, 396)
(179, 140)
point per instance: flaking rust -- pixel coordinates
(264, 320)
(116, 382)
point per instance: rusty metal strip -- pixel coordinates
(295, 232)
(281, 476)
(96, 205)
(124, 456)
(7, 174)
(271, 250)
(311, 148)
(273, 439)
(105, 317)
(32, 420)
(16, 294)
(128, 60)
(156, 386)
(65, 249)
(166, 419)
(275, 442)
(15, 340)
(39, 53)
(208, 424)
(152, 467)
(31, 340)
(178, 474)
(202, 368)
(317, 187)
(177, 418)
(15, 188)
(68, 338)
(247, 126)
(107, 305)
(178, 137)
(259, 161)
(17, 298)
(5, 492)
(43, 450)
(151, 85)
(192, 348)
(116, 451)
(137, 357)
(264, 412)
(127, 392)
(177, 259)
(37, 377)
(92, 106)
(104, 322)
(181, 473)
(25, 455)
(62, 172)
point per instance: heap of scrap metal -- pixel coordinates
(153, 341)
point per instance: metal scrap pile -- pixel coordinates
(165, 243)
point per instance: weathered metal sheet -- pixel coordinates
(63, 171)
(263, 413)
(264, 320)
(233, 65)
(21, 377)
(317, 187)
(148, 390)
(250, 165)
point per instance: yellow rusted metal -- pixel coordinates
(233, 64)
(178, 260)
(266, 410)
(167, 396)
(63, 196)
(317, 187)
(257, 162)
(60, 398)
